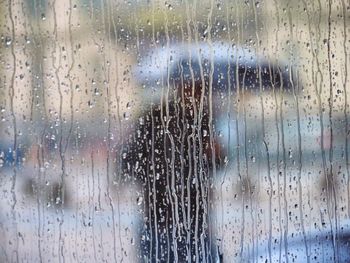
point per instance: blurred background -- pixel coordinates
(69, 98)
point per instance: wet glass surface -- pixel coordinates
(174, 131)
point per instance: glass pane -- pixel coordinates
(174, 131)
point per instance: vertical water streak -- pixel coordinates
(300, 156)
(346, 106)
(14, 123)
(330, 104)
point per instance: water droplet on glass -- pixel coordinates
(90, 104)
(225, 160)
(139, 200)
(8, 41)
(126, 116)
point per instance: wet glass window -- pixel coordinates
(174, 131)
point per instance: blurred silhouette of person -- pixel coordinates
(174, 153)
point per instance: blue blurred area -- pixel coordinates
(8, 157)
(326, 245)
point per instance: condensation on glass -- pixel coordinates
(174, 131)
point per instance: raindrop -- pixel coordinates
(126, 116)
(8, 41)
(90, 104)
(139, 200)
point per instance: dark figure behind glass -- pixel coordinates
(173, 153)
